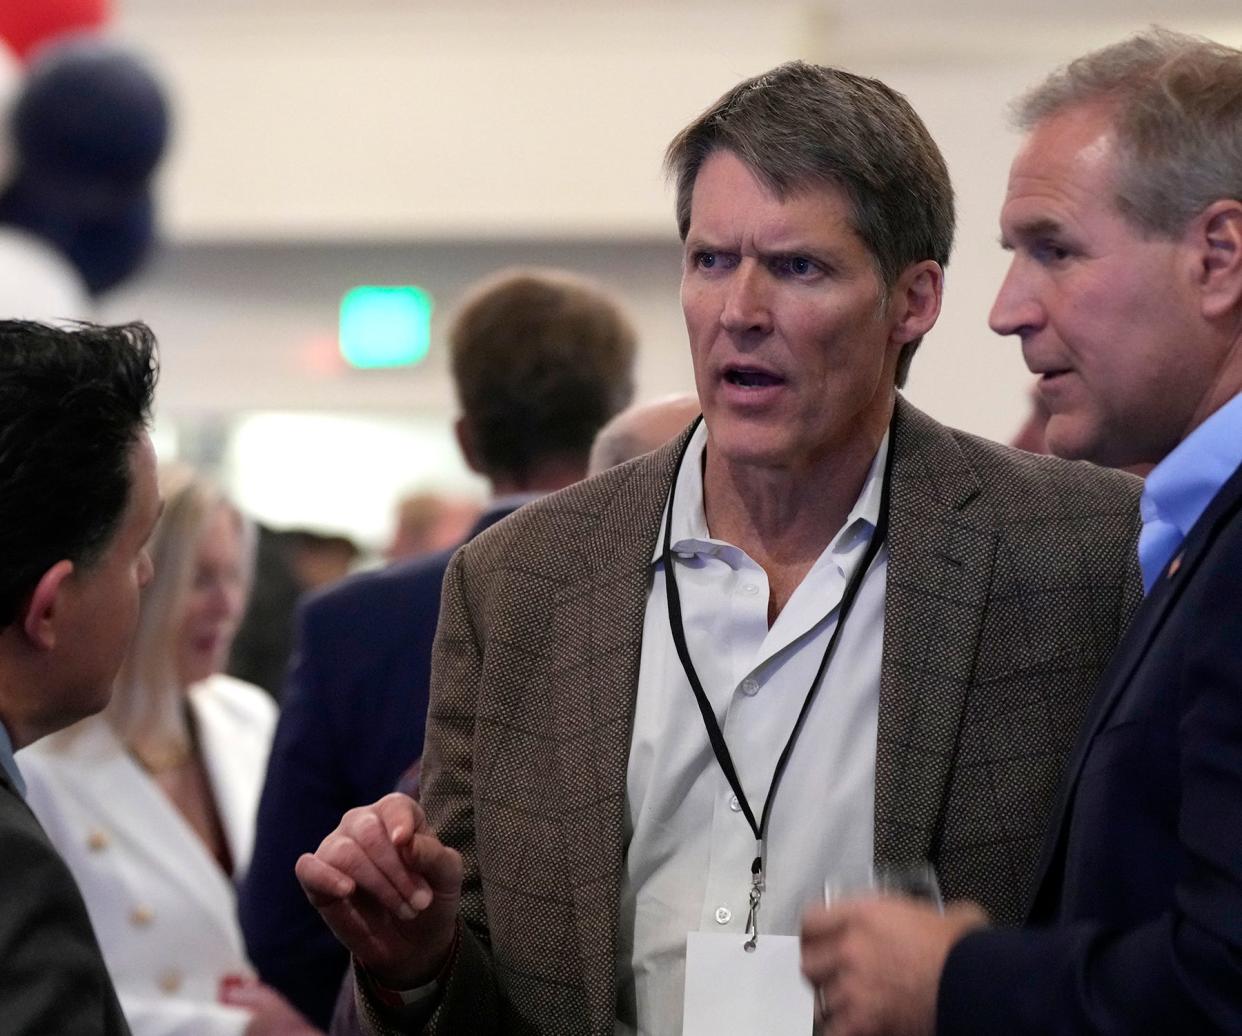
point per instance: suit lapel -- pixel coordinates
(597, 622)
(7, 787)
(1130, 653)
(940, 566)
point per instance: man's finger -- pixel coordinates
(401, 816)
(820, 922)
(377, 869)
(381, 831)
(439, 865)
(322, 883)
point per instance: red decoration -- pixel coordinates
(25, 24)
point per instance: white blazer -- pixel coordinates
(164, 911)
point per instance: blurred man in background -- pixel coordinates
(640, 429)
(541, 360)
(78, 500)
(427, 522)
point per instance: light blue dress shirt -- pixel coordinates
(1182, 485)
(8, 763)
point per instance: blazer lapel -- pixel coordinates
(1130, 653)
(236, 759)
(939, 570)
(597, 624)
(129, 802)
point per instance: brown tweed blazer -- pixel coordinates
(1010, 577)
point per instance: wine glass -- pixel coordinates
(914, 880)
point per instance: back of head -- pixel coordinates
(642, 428)
(428, 522)
(803, 126)
(541, 360)
(1176, 104)
(72, 403)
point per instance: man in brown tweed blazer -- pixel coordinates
(985, 589)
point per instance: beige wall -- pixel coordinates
(321, 144)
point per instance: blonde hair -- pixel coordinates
(147, 703)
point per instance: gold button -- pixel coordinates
(97, 841)
(170, 981)
(141, 916)
(1175, 565)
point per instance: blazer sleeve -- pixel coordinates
(1178, 972)
(286, 940)
(470, 999)
(52, 974)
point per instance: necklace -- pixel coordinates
(158, 759)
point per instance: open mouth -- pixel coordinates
(206, 643)
(746, 377)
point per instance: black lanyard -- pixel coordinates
(714, 733)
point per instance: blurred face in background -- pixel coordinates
(214, 601)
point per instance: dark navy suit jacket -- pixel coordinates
(352, 722)
(52, 973)
(1136, 924)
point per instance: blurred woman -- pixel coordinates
(153, 802)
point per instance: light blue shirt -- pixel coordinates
(9, 764)
(1182, 485)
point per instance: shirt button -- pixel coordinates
(170, 981)
(749, 589)
(750, 687)
(723, 915)
(97, 841)
(141, 916)
(734, 804)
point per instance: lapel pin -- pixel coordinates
(1174, 565)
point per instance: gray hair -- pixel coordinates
(1176, 103)
(640, 429)
(803, 125)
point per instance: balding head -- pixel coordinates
(641, 429)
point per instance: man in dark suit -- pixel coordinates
(78, 500)
(925, 611)
(541, 360)
(1124, 215)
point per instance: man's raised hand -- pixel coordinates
(388, 889)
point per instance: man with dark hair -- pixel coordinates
(1124, 216)
(541, 359)
(816, 631)
(805, 126)
(78, 500)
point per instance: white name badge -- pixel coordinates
(730, 992)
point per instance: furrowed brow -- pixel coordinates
(1030, 230)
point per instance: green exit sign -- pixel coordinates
(385, 327)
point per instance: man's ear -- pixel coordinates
(465, 442)
(40, 621)
(1217, 240)
(916, 300)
